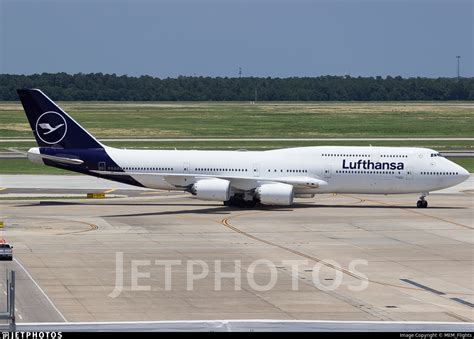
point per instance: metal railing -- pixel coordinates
(10, 312)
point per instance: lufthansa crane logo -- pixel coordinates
(51, 127)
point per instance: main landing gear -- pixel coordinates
(422, 203)
(238, 201)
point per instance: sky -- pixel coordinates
(215, 38)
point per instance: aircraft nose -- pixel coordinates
(463, 173)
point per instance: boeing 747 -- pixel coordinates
(238, 178)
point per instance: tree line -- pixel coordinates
(98, 86)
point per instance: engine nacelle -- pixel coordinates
(275, 194)
(212, 189)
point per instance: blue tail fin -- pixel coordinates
(52, 127)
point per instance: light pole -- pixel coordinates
(458, 57)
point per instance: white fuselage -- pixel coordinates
(379, 170)
(237, 178)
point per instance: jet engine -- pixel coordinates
(275, 194)
(212, 189)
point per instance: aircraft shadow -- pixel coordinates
(224, 210)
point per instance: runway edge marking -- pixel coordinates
(41, 290)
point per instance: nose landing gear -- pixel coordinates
(422, 203)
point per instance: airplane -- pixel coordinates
(238, 178)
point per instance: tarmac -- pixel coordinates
(335, 257)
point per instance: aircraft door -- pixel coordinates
(327, 171)
(256, 170)
(409, 175)
(101, 166)
(186, 168)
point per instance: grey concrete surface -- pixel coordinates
(12, 155)
(31, 303)
(253, 326)
(70, 248)
(458, 154)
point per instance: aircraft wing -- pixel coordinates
(173, 178)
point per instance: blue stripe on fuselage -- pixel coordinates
(91, 158)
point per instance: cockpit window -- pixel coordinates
(435, 155)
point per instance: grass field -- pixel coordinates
(259, 145)
(244, 120)
(278, 120)
(24, 166)
(467, 163)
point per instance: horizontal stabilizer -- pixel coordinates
(33, 156)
